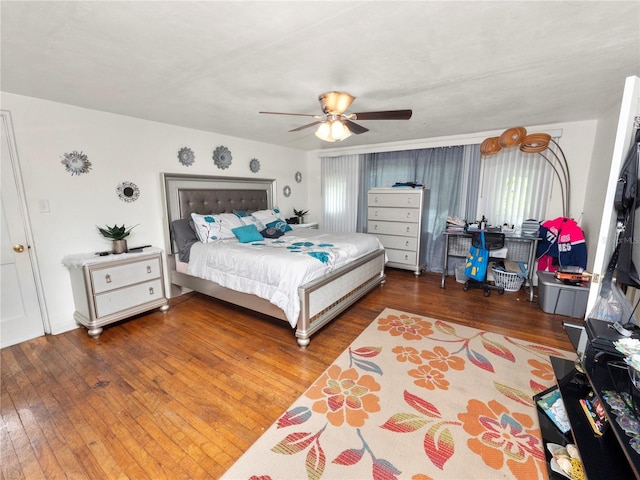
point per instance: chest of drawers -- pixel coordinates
(397, 216)
(113, 288)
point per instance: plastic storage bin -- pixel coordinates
(554, 296)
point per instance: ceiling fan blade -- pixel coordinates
(304, 126)
(384, 115)
(296, 114)
(354, 127)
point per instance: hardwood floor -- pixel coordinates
(182, 394)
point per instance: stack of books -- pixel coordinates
(455, 224)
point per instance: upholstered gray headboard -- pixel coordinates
(220, 201)
(187, 194)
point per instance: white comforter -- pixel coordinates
(273, 269)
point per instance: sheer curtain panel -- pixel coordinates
(515, 186)
(340, 177)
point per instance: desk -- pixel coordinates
(520, 248)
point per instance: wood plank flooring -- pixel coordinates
(182, 394)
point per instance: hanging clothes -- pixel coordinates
(626, 202)
(562, 245)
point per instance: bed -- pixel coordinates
(318, 299)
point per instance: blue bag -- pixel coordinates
(477, 261)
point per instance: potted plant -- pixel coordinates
(118, 235)
(300, 214)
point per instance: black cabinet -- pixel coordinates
(604, 457)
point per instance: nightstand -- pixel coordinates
(114, 287)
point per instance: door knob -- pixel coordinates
(18, 248)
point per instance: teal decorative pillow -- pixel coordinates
(280, 225)
(247, 233)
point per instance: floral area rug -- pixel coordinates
(417, 398)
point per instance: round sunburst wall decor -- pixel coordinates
(186, 156)
(128, 192)
(254, 165)
(76, 163)
(222, 157)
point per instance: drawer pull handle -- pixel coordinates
(107, 278)
(406, 257)
(150, 290)
(375, 227)
(148, 268)
(408, 214)
(406, 244)
(408, 228)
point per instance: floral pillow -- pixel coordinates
(251, 220)
(271, 218)
(215, 227)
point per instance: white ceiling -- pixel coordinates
(462, 67)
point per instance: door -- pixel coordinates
(20, 313)
(629, 110)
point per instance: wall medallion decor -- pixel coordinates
(222, 157)
(286, 191)
(128, 192)
(254, 165)
(76, 163)
(186, 156)
(298, 177)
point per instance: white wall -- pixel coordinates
(120, 149)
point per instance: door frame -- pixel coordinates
(5, 117)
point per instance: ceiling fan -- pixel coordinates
(335, 123)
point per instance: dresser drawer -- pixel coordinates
(394, 214)
(393, 228)
(399, 243)
(401, 256)
(394, 200)
(118, 300)
(112, 277)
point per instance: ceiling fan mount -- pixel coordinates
(335, 123)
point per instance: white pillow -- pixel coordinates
(268, 216)
(215, 227)
(251, 220)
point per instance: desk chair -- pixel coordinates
(492, 241)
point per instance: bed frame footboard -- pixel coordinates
(326, 298)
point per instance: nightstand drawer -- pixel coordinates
(394, 214)
(118, 300)
(393, 228)
(112, 277)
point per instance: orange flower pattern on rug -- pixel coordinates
(345, 396)
(417, 398)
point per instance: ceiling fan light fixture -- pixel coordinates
(333, 130)
(324, 132)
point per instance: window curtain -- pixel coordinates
(341, 178)
(441, 171)
(515, 186)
